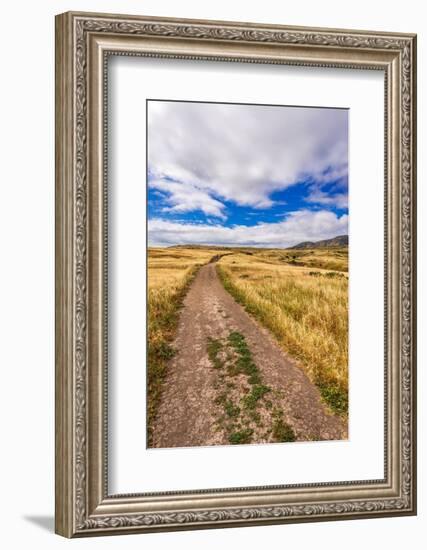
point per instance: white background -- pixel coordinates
(362, 456)
(27, 275)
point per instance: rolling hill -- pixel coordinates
(341, 240)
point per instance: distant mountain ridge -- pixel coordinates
(340, 240)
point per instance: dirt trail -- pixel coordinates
(195, 410)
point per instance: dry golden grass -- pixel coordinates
(301, 296)
(334, 259)
(168, 266)
(170, 270)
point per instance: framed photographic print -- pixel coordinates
(235, 274)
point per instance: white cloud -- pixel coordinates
(185, 197)
(317, 196)
(241, 153)
(303, 225)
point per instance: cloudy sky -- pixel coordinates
(230, 174)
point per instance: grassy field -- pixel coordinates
(301, 296)
(170, 272)
(332, 259)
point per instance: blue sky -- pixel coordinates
(231, 174)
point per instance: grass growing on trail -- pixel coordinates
(242, 401)
(241, 437)
(170, 272)
(281, 430)
(258, 391)
(244, 362)
(214, 347)
(306, 310)
(231, 409)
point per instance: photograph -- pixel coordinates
(248, 273)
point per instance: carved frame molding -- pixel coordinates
(83, 41)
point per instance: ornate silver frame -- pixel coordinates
(83, 505)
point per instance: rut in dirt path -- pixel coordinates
(229, 381)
